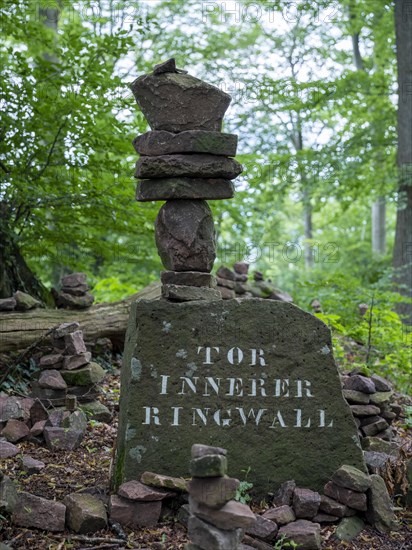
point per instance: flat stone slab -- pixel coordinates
(85, 513)
(177, 102)
(189, 166)
(304, 533)
(188, 278)
(135, 490)
(181, 293)
(164, 482)
(228, 373)
(130, 513)
(232, 515)
(208, 536)
(34, 511)
(163, 189)
(191, 141)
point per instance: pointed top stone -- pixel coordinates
(174, 101)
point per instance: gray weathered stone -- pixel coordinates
(8, 494)
(62, 438)
(11, 408)
(209, 466)
(163, 189)
(263, 528)
(356, 397)
(303, 533)
(224, 282)
(24, 301)
(181, 293)
(190, 141)
(164, 482)
(65, 328)
(364, 410)
(208, 536)
(198, 450)
(225, 273)
(135, 490)
(8, 450)
(85, 513)
(15, 430)
(73, 362)
(359, 383)
(280, 515)
(325, 518)
(380, 512)
(305, 503)
(64, 299)
(178, 102)
(381, 384)
(34, 511)
(381, 397)
(188, 278)
(97, 411)
(31, 465)
(351, 478)
(213, 492)
(335, 508)
(375, 427)
(54, 360)
(165, 350)
(93, 373)
(284, 494)
(52, 379)
(134, 514)
(187, 166)
(232, 515)
(349, 528)
(352, 499)
(185, 236)
(379, 445)
(74, 343)
(7, 304)
(376, 461)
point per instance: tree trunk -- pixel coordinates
(402, 257)
(20, 330)
(379, 226)
(15, 274)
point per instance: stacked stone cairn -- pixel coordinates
(216, 520)
(74, 293)
(185, 160)
(234, 284)
(70, 372)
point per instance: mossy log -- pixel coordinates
(18, 330)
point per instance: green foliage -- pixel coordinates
(280, 544)
(378, 341)
(242, 492)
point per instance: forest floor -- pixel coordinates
(87, 469)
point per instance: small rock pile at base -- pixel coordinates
(68, 370)
(216, 520)
(350, 498)
(370, 402)
(185, 160)
(20, 301)
(74, 292)
(235, 284)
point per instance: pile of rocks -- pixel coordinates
(370, 402)
(20, 301)
(74, 292)
(28, 420)
(139, 503)
(235, 284)
(185, 160)
(349, 498)
(68, 370)
(216, 520)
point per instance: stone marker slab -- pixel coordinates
(163, 189)
(228, 373)
(190, 141)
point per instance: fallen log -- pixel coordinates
(18, 330)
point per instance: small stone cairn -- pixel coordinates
(74, 293)
(19, 301)
(68, 370)
(216, 520)
(185, 160)
(234, 284)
